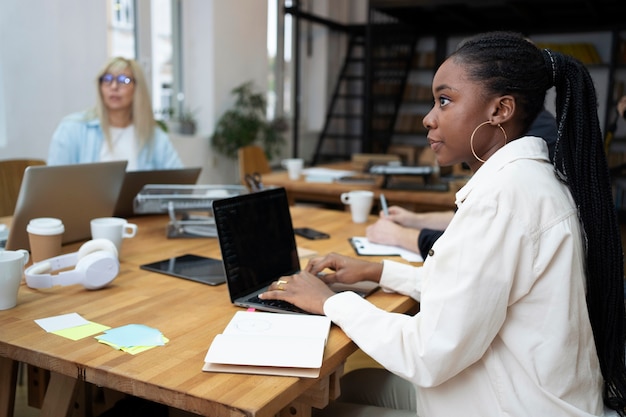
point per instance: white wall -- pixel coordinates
(50, 51)
(225, 45)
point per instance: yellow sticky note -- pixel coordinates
(133, 350)
(80, 332)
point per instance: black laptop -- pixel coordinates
(134, 181)
(258, 247)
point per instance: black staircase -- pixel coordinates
(342, 132)
(391, 49)
(364, 105)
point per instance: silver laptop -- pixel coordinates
(73, 193)
(134, 181)
(258, 246)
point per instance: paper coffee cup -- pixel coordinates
(45, 235)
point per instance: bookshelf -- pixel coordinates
(594, 49)
(417, 99)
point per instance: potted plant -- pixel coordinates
(183, 123)
(246, 124)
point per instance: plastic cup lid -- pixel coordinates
(45, 226)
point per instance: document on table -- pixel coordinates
(325, 175)
(270, 344)
(362, 246)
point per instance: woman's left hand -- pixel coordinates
(303, 289)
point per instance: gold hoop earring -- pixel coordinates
(474, 133)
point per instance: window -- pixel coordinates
(121, 28)
(157, 56)
(279, 37)
(162, 58)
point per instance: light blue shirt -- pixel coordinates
(78, 140)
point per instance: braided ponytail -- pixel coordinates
(580, 161)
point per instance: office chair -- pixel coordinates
(252, 160)
(11, 174)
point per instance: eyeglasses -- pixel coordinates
(122, 80)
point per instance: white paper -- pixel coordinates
(260, 339)
(364, 247)
(276, 351)
(317, 174)
(257, 323)
(64, 321)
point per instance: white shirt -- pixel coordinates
(124, 147)
(503, 328)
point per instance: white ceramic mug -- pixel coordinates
(114, 229)
(360, 202)
(11, 271)
(294, 167)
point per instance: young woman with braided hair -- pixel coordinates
(521, 298)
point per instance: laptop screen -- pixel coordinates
(135, 180)
(256, 239)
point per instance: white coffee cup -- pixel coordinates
(11, 271)
(294, 167)
(114, 229)
(45, 236)
(360, 202)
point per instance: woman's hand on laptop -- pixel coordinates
(303, 289)
(344, 269)
(309, 289)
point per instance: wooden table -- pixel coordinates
(189, 314)
(329, 193)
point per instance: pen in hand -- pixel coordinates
(383, 204)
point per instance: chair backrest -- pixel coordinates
(252, 159)
(11, 174)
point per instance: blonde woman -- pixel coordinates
(120, 127)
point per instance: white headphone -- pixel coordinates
(96, 266)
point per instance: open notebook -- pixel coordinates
(270, 344)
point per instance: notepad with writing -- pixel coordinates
(362, 246)
(270, 344)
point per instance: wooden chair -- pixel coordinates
(11, 174)
(252, 159)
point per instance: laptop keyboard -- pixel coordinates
(283, 305)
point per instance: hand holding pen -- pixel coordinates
(383, 205)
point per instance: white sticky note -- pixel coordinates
(64, 321)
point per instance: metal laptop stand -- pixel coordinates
(184, 205)
(394, 175)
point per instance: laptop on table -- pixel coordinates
(258, 246)
(73, 193)
(134, 181)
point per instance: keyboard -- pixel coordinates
(283, 305)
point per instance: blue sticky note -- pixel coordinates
(133, 335)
